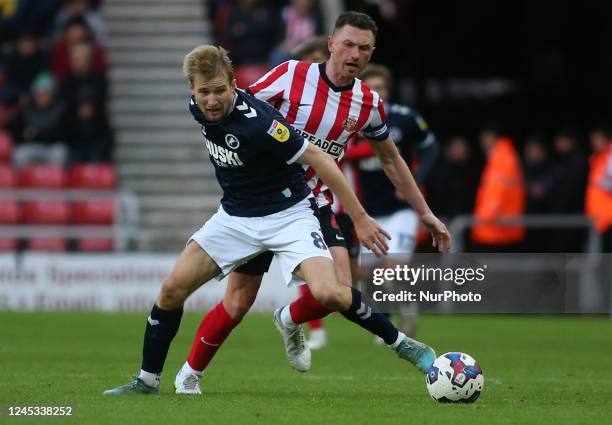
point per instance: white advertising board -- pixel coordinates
(110, 282)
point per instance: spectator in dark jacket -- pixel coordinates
(83, 81)
(89, 135)
(537, 168)
(566, 186)
(451, 186)
(250, 29)
(43, 135)
(22, 66)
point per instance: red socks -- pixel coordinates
(307, 308)
(218, 324)
(213, 330)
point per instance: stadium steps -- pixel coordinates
(155, 58)
(148, 74)
(160, 138)
(133, 89)
(169, 186)
(158, 11)
(160, 154)
(178, 152)
(138, 105)
(169, 27)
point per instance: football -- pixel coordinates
(455, 378)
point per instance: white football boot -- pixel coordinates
(296, 348)
(187, 382)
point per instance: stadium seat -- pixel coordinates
(9, 215)
(45, 212)
(97, 211)
(92, 176)
(247, 74)
(9, 211)
(6, 146)
(42, 177)
(47, 244)
(9, 244)
(7, 177)
(93, 245)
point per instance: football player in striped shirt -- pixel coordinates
(326, 104)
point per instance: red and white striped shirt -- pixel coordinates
(322, 113)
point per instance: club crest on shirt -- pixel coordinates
(279, 131)
(232, 141)
(350, 124)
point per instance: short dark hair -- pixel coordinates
(308, 47)
(375, 70)
(357, 20)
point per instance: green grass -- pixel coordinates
(538, 370)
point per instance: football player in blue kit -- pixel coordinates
(266, 206)
(414, 140)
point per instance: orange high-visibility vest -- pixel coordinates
(598, 201)
(501, 195)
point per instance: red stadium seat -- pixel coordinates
(7, 177)
(92, 176)
(97, 211)
(92, 245)
(42, 177)
(6, 146)
(247, 74)
(47, 244)
(45, 212)
(8, 245)
(9, 214)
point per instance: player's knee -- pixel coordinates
(171, 295)
(238, 306)
(332, 296)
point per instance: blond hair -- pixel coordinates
(208, 61)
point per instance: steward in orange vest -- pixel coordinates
(501, 195)
(598, 201)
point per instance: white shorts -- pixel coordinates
(402, 226)
(293, 235)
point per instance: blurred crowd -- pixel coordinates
(53, 82)
(568, 174)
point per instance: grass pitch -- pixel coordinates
(538, 370)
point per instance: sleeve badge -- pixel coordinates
(279, 131)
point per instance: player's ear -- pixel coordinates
(233, 84)
(330, 42)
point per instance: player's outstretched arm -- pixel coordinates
(368, 231)
(398, 172)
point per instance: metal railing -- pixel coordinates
(122, 231)
(588, 266)
(566, 221)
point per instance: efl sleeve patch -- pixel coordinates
(279, 131)
(422, 124)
